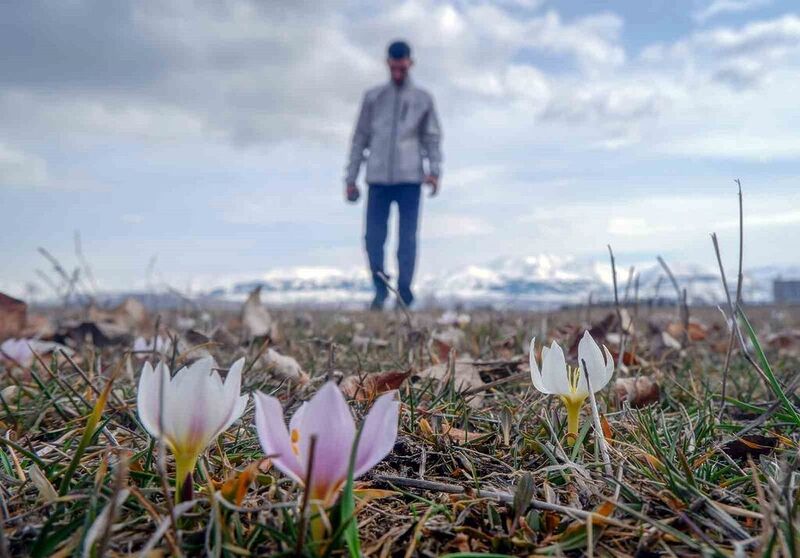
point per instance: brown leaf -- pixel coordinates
(235, 487)
(39, 327)
(608, 434)
(750, 444)
(440, 350)
(697, 331)
(284, 366)
(460, 436)
(12, 316)
(127, 317)
(628, 358)
(443, 341)
(425, 427)
(466, 376)
(372, 385)
(638, 392)
(256, 320)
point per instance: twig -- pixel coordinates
(400, 301)
(674, 284)
(4, 551)
(740, 278)
(617, 307)
(120, 480)
(87, 269)
(598, 428)
(507, 380)
(505, 497)
(733, 321)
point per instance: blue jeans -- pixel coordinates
(380, 199)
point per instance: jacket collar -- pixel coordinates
(407, 84)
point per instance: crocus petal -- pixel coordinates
(149, 396)
(554, 370)
(327, 418)
(378, 434)
(296, 421)
(236, 413)
(536, 374)
(234, 403)
(274, 437)
(609, 370)
(18, 350)
(192, 406)
(600, 369)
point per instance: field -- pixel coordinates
(482, 464)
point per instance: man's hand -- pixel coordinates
(352, 193)
(433, 182)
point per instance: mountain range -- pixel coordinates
(541, 281)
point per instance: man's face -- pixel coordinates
(398, 69)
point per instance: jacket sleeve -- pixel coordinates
(431, 139)
(360, 142)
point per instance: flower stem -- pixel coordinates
(184, 485)
(573, 418)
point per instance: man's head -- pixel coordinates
(399, 61)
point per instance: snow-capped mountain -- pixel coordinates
(530, 282)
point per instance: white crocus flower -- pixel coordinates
(569, 382)
(189, 410)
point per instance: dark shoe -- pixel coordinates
(377, 303)
(405, 294)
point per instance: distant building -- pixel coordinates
(786, 291)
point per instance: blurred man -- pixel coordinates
(397, 133)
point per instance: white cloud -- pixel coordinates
(718, 7)
(253, 102)
(443, 226)
(19, 169)
(132, 218)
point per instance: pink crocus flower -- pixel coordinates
(17, 350)
(189, 410)
(327, 418)
(23, 351)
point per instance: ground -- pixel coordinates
(482, 464)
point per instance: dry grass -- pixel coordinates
(512, 486)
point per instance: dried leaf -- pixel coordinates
(466, 376)
(638, 392)
(235, 487)
(425, 427)
(256, 320)
(451, 338)
(608, 434)
(372, 385)
(12, 316)
(125, 318)
(696, 330)
(750, 444)
(366, 495)
(460, 436)
(104, 521)
(39, 480)
(284, 366)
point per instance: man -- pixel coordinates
(397, 132)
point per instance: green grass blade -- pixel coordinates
(773, 381)
(88, 434)
(347, 505)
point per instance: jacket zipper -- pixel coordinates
(393, 146)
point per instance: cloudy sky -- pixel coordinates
(212, 135)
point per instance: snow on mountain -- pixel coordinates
(541, 281)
